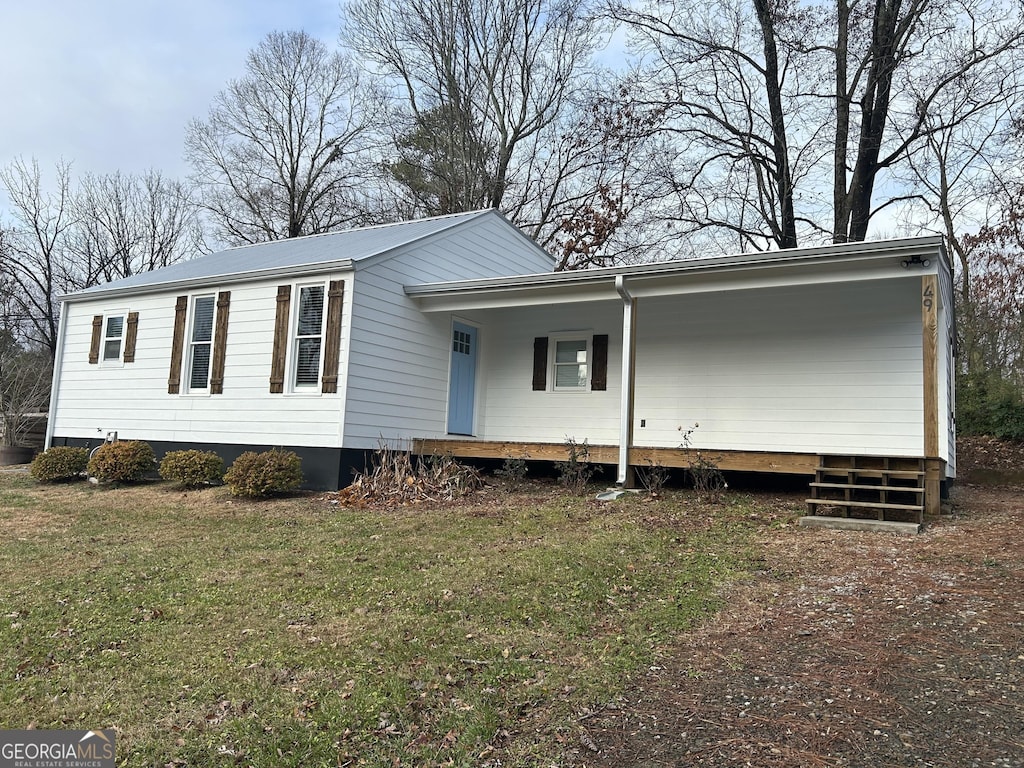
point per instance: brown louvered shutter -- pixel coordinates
(335, 297)
(284, 297)
(97, 334)
(220, 339)
(129, 337)
(177, 345)
(599, 377)
(540, 363)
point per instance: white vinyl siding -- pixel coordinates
(134, 401)
(833, 368)
(822, 369)
(397, 376)
(396, 380)
(947, 373)
(510, 409)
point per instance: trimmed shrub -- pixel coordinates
(126, 461)
(262, 474)
(192, 468)
(62, 462)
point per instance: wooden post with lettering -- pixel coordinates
(930, 360)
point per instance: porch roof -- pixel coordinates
(831, 263)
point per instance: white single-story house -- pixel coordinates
(453, 334)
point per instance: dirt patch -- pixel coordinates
(989, 461)
(847, 649)
(27, 523)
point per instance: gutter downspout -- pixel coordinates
(58, 361)
(625, 478)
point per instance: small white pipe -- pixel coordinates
(58, 361)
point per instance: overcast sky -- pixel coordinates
(111, 84)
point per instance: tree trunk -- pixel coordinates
(854, 215)
(840, 209)
(786, 234)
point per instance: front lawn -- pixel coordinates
(213, 631)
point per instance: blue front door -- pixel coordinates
(462, 383)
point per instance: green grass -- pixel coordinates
(211, 631)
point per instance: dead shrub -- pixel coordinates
(396, 478)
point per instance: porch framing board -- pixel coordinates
(729, 460)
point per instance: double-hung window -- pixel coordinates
(113, 336)
(200, 349)
(308, 338)
(570, 362)
(571, 370)
(198, 344)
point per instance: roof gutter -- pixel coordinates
(845, 253)
(336, 265)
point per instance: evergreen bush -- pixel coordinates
(126, 461)
(262, 474)
(989, 405)
(192, 468)
(62, 462)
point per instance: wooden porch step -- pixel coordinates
(906, 474)
(857, 487)
(865, 504)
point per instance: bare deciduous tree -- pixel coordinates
(281, 153)
(899, 63)
(24, 389)
(128, 224)
(36, 258)
(498, 78)
(739, 132)
(804, 112)
(72, 238)
(966, 177)
(24, 371)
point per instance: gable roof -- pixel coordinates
(313, 253)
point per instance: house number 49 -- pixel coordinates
(929, 294)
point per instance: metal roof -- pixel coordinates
(332, 250)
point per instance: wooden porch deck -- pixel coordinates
(916, 493)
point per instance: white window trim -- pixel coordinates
(114, 362)
(292, 366)
(186, 373)
(587, 338)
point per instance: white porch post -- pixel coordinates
(624, 477)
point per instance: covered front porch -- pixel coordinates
(784, 363)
